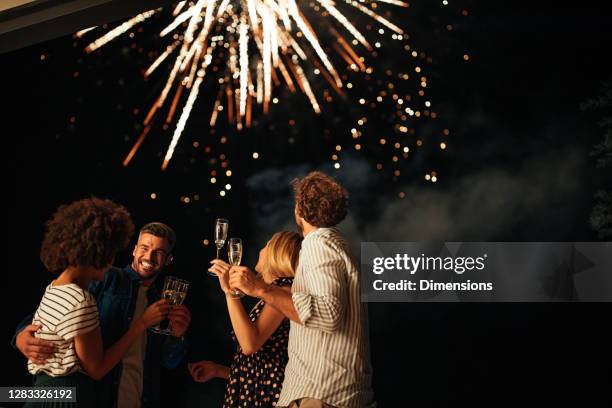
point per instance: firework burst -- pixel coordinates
(265, 44)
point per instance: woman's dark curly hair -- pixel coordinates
(320, 199)
(88, 232)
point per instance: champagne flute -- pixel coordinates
(234, 254)
(221, 228)
(175, 291)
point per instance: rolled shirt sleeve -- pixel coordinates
(320, 304)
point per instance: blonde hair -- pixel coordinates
(282, 255)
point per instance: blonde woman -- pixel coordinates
(257, 371)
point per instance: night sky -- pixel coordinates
(515, 167)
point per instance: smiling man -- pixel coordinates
(122, 297)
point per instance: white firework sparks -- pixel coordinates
(263, 38)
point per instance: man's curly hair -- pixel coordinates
(320, 199)
(87, 232)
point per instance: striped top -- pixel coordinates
(329, 357)
(65, 311)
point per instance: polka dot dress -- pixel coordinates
(256, 380)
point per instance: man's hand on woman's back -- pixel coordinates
(36, 350)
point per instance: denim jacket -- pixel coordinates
(116, 297)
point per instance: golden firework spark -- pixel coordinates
(266, 41)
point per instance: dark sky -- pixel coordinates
(517, 168)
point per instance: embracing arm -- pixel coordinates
(20, 327)
(319, 309)
(34, 349)
(96, 361)
(320, 304)
(281, 300)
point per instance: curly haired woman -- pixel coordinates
(80, 244)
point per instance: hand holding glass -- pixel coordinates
(234, 254)
(221, 228)
(175, 291)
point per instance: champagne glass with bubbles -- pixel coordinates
(221, 228)
(234, 252)
(175, 291)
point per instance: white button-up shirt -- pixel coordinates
(329, 356)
